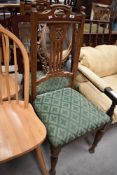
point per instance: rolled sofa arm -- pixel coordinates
(101, 85)
(91, 76)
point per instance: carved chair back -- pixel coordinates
(58, 19)
(39, 5)
(9, 45)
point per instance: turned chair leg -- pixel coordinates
(98, 136)
(54, 159)
(41, 161)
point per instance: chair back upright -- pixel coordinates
(57, 19)
(9, 45)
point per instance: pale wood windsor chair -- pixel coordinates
(66, 114)
(21, 131)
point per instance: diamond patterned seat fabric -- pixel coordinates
(51, 84)
(67, 115)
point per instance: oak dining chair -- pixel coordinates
(21, 131)
(66, 114)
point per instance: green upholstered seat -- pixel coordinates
(51, 84)
(67, 115)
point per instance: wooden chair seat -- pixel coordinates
(20, 130)
(3, 86)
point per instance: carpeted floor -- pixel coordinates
(74, 159)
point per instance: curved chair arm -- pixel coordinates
(101, 85)
(113, 96)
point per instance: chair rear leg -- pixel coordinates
(99, 134)
(54, 159)
(41, 161)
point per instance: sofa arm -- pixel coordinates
(91, 76)
(101, 85)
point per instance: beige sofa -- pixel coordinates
(99, 65)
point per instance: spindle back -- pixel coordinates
(97, 32)
(9, 45)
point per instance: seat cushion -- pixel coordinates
(112, 81)
(51, 84)
(67, 115)
(98, 98)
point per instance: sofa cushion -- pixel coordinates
(67, 115)
(102, 59)
(111, 81)
(98, 98)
